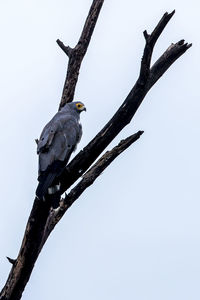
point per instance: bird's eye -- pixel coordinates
(79, 105)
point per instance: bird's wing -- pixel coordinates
(66, 139)
(79, 133)
(47, 136)
(58, 140)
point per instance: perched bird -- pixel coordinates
(58, 140)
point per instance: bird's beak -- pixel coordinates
(84, 108)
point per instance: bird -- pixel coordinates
(58, 140)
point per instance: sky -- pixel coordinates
(134, 234)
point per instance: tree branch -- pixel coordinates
(173, 52)
(76, 54)
(87, 180)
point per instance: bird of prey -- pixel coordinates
(58, 140)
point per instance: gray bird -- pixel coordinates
(58, 140)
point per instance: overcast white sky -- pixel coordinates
(135, 233)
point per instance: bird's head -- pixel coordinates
(78, 106)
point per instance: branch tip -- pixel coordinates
(134, 137)
(169, 14)
(66, 49)
(146, 35)
(11, 260)
(140, 132)
(181, 42)
(172, 13)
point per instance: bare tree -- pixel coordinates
(43, 218)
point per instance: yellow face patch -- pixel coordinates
(79, 106)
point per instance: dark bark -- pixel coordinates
(22, 268)
(42, 218)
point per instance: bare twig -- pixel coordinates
(68, 50)
(11, 260)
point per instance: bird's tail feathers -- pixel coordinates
(44, 184)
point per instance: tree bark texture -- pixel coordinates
(43, 218)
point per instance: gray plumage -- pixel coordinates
(58, 140)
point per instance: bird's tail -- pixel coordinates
(44, 183)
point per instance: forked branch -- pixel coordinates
(147, 78)
(151, 40)
(77, 53)
(87, 180)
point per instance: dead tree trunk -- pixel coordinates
(42, 218)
